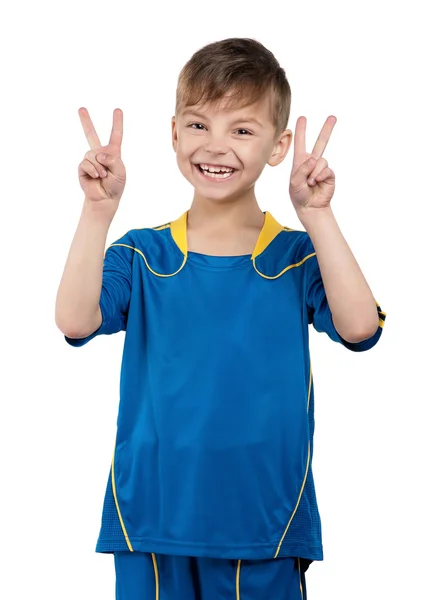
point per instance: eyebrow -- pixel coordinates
(188, 111)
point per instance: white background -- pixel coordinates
(377, 444)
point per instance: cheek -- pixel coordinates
(187, 144)
(184, 152)
(253, 157)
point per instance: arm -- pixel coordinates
(355, 314)
(353, 307)
(77, 312)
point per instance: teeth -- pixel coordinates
(216, 169)
(217, 175)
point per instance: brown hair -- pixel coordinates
(241, 68)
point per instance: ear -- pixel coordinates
(281, 147)
(174, 133)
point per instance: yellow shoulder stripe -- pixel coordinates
(147, 264)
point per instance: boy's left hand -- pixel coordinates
(303, 193)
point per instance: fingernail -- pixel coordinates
(312, 181)
(103, 173)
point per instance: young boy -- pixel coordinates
(211, 492)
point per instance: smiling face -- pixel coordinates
(222, 152)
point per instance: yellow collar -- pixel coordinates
(271, 228)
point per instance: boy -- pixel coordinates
(211, 492)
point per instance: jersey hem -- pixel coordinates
(250, 552)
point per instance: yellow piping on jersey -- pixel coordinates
(155, 568)
(238, 580)
(304, 479)
(298, 501)
(284, 270)
(147, 264)
(310, 383)
(300, 577)
(116, 503)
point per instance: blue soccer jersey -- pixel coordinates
(215, 426)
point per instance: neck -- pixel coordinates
(244, 212)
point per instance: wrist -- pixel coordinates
(97, 213)
(315, 217)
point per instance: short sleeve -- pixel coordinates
(319, 313)
(115, 292)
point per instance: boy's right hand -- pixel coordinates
(107, 190)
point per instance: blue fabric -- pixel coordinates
(216, 415)
(143, 575)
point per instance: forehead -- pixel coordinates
(260, 110)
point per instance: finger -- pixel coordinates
(300, 176)
(111, 163)
(321, 164)
(323, 138)
(89, 129)
(300, 138)
(325, 174)
(91, 156)
(87, 167)
(117, 129)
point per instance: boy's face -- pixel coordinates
(242, 139)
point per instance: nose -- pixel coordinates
(216, 143)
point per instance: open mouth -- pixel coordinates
(217, 174)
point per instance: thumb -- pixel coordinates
(300, 176)
(112, 163)
(308, 167)
(103, 158)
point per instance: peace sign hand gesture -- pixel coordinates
(304, 193)
(103, 179)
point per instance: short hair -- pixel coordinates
(241, 69)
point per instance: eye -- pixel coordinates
(197, 129)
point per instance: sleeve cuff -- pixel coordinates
(369, 342)
(364, 344)
(77, 342)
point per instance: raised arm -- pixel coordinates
(312, 185)
(77, 311)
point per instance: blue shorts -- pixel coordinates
(145, 576)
